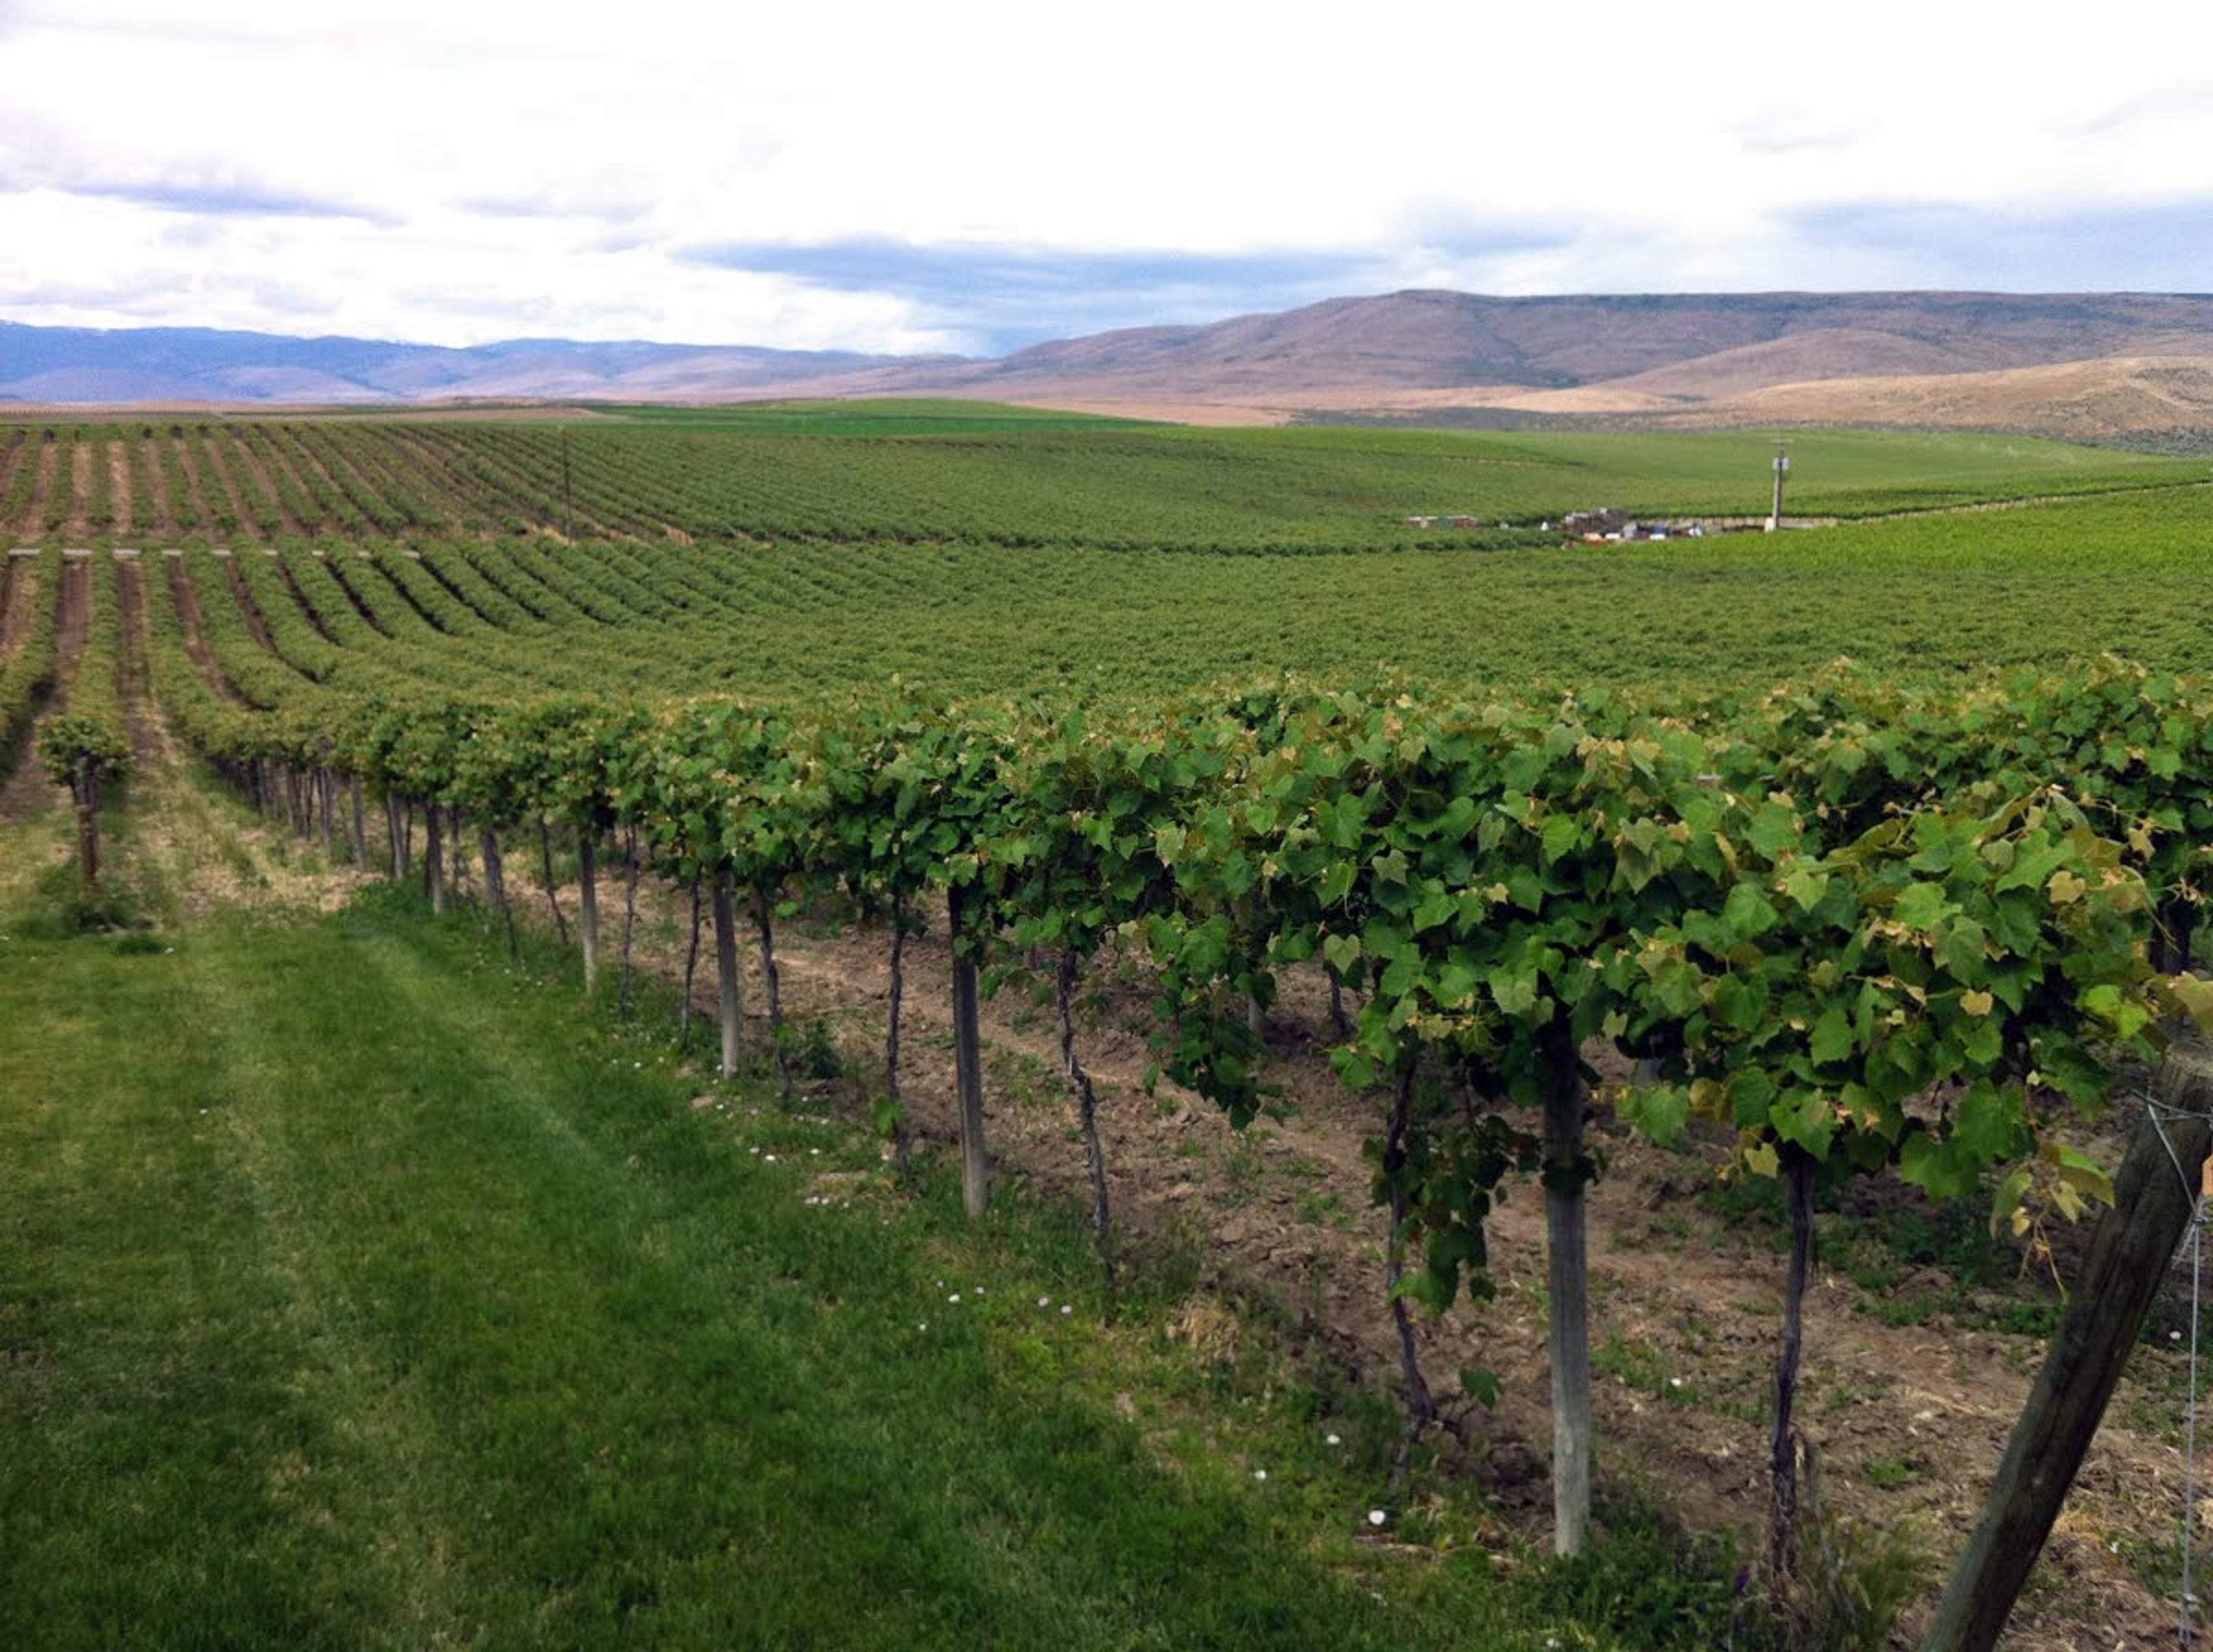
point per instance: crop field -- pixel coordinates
(1661, 1015)
(1930, 598)
(881, 473)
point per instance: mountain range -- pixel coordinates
(64, 366)
(2081, 364)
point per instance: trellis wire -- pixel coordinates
(2160, 1113)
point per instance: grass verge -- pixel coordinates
(356, 1290)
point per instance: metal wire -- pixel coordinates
(2159, 1112)
(2190, 1426)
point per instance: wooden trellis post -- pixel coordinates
(968, 1063)
(2154, 1196)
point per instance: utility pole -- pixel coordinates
(1782, 470)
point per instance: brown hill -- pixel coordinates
(1795, 358)
(1886, 358)
(2121, 398)
(2093, 362)
(2085, 401)
(1699, 345)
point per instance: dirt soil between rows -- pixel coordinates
(1908, 1419)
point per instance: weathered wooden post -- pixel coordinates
(729, 1011)
(495, 866)
(968, 1064)
(588, 896)
(764, 926)
(901, 1137)
(434, 866)
(1568, 1278)
(2154, 1196)
(1798, 1166)
(84, 787)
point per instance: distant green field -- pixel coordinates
(1042, 558)
(945, 477)
(1850, 472)
(1839, 472)
(1924, 597)
(965, 474)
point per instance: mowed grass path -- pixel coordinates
(356, 1291)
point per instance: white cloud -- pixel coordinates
(541, 166)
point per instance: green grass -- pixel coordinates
(356, 1291)
(1888, 1473)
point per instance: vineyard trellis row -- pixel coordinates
(1869, 930)
(1019, 486)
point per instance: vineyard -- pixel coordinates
(1553, 857)
(1022, 480)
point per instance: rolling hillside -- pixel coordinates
(2084, 366)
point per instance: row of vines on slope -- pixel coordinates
(1102, 485)
(1866, 929)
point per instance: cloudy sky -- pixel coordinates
(973, 176)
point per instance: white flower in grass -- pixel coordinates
(1334, 1441)
(1259, 1473)
(1065, 1309)
(954, 1297)
(1044, 1302)
(1377, 1517)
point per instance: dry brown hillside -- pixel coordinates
(2088, 400)
(2087, 365)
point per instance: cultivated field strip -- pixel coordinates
(796, 624)
(264, 480)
